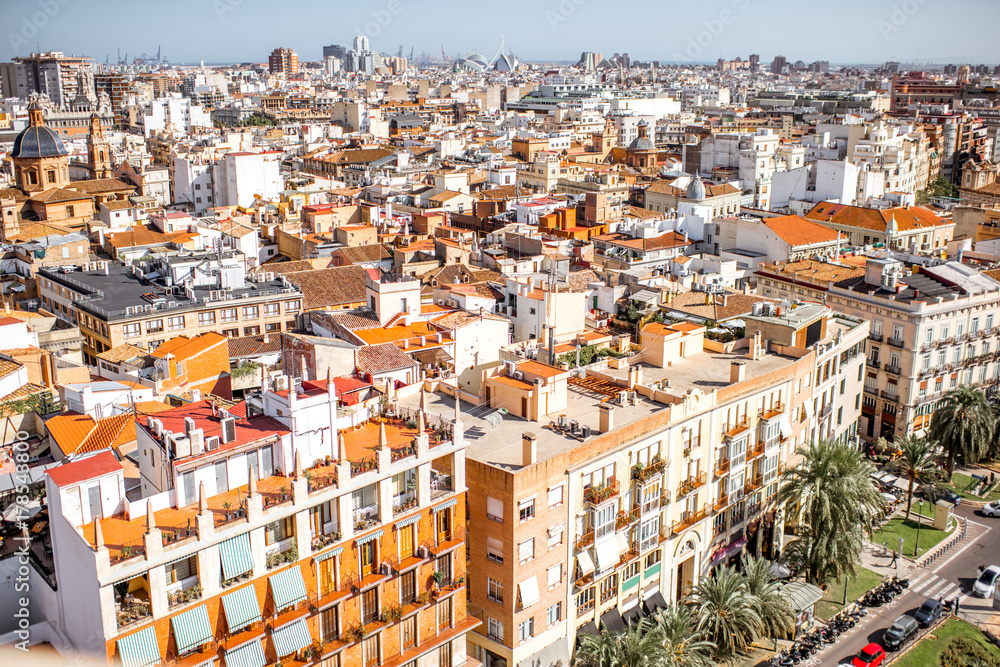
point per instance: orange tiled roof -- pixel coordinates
(907, 219)
(798, 231)
(183, 347)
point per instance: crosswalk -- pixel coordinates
(930, 585)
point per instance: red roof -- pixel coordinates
(91, 467)
(249, 430)
(347, 389)
(5, 321)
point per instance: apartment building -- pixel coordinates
(907, 228)
(306, 535)
(616, 504)
(114, 304)
(934, 327)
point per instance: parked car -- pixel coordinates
(936, 493)
(872, 655)
(992, 509)
(929, 612)
(900, 632)
(986, 584)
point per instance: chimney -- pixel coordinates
(607, 422)
(737, 371)
(529, 449)
(195, 395)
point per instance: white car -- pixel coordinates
(986, 584)
(992, 509)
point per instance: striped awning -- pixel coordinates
(444, 506)
(191, 628)
(408, 521)
(291, 638)
(287, 587)
(237, 558)
(368, 538)
(248, 655)
(139, 649)
(241, 608)
(336, 551)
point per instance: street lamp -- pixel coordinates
(920, 513)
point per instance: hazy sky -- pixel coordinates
(849, 31)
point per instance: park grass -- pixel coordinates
(960, 482)
(928, 650)
(899, 527)
(858, 585)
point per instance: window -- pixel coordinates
(604, 520)
(444, 613)
(231, 333)
(272, 327)
(494, 509)
(51, 176)
(228, 314)
(154, 326)
(554, 575)
(131, 330)
(181, 569)
(649, 533)
(494, 550)
(251, 331)
(369, 605)
(276, 531)
(652, 559)
(494, 590)
(370, 654)
(443, 565)
(556, 496)
(556, 535)
(526, 630)
(175, 323)
(409, 630)
(495, 629)
(251, 312)
(328, 626)
(292, 306)
(526, 509)
(206, 319)
(271, 309)
(555, 613)
(526, 550)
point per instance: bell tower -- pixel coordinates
(98, 150)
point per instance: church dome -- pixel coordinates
(642, 144)
(36, 140)
(695, 190)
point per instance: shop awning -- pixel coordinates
(237, 558)
(607, 554)
(291, 638)
(801, 595)
(139, 649)
(623, 545)
(633, 615)
(785, 427)
(729, 549)
(437, 355)
(588, 628)
(287, 587)
(248, 655)
(808, 407)
(241, 608)
(612, 620)
(191, 628)
(444, 506)
(528, 590)
(654, 603)
(585, 562)
(336, 551)
(407, 521)
(369, 537)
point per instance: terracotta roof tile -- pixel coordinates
(798, 231)
(381, 358)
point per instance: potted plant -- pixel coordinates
(437, 577)
(227, 506)
(284, 492)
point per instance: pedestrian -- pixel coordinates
(894, 556)
(982, 568)
(956, 605)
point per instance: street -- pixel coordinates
(952, 574)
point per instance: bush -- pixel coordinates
(965, 652)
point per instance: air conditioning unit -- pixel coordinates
(423, 552)
(228, 430)
(212, 443)
(386, 569)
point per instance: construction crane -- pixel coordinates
(443, 56)
(412, 49)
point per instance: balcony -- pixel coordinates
(826, 411)
(753, 484)
(585, 540)
(595, 495)
(873, 361)
(891, 368)
(756, 451)
(890, 396)
(721, 504)
(403, 503)
(896, 342)
(626, 519)
(721, 467)
(688, 519)
(877, 337)
(945, 341)
(871, 390)
(692, 484)
(643, 473)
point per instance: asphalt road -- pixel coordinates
(950, 575)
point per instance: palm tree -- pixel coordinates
(726, 611)
(683, 644)
(917, 462)
(963, 425)
(776, 614)
(635, 647)
(830, 497)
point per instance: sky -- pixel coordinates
(224, 31)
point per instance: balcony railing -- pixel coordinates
(890, 397)
(756, 451)
(877, 337)
(722, 467)
(722, 503)
(403, 502)
(641, 473)
(896, 342)
(626, 519)
(753, 484)
(691, 484)
(892, 368)
(871, 390)
(595, 495)
(688, 519)
(826, 411)
(585, 540)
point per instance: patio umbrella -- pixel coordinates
(889, 498)
(780, 571)
(14, 512)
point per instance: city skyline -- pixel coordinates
(215, 31)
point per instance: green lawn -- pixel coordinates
(915, 508)
(960, 482)
(927, 651)
(864, 581)
(899, 527)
